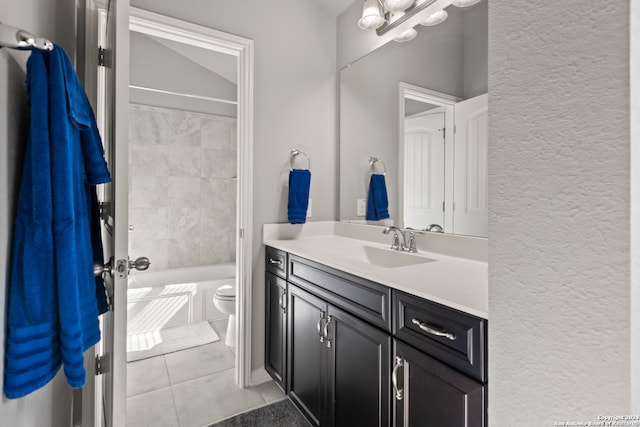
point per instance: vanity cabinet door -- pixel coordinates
(359, 372)
(428, 393)
(275, 328)
(306, 355)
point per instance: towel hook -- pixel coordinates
(372, 165)
(294, 153)
(13, 37)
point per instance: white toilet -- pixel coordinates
(225, 301)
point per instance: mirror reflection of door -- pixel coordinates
(470, 167)
(424, 150)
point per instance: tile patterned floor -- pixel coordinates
(191, 388)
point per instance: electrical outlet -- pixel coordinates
(361, 207)
(309, 209)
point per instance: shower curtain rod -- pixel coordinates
(187, 95)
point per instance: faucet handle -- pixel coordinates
(395, 242)
(412, 243)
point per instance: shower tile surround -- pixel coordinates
(182, 187)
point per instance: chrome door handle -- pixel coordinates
(99, 269)
(326, 331)
(275, 261)
(397, 392)
(430, 329)
(319, 326)
(140, 264)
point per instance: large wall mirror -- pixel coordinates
(420, 108)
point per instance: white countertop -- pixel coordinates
(457, 282)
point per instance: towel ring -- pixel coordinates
(372, 164)
(294, 153)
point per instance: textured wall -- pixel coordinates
(183, 187)
(559, 333)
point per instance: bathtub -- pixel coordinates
(163, 299)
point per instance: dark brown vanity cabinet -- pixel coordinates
(276, 315)
(338, 366)
(349, 362)
(439, 374)
(276, 327)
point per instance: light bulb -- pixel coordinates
(410, 34)
(371, 16)
(397, 5)
(435, 18)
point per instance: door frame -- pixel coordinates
(166, 27)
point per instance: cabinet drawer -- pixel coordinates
(276, 262)
(454, 337)
(368, 300)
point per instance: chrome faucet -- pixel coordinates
(409, 246)
(397, 232)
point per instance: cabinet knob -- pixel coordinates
(275, 261)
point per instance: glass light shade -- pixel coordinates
(397, 5)
(435, 18)
(410, 34)
(465, 3)
(371, 16)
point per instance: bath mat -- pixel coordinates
(142, 345)
(280, 414)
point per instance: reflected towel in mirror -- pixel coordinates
(377, 202)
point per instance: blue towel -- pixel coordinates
(299, 184)
(53, 310)
(377, 203)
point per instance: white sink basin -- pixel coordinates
(388, 258)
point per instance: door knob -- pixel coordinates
(99, 269)
(140, 264)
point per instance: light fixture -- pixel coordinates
(397, 5)
(410, 34)
(465, 3)
(435, 18)
(371, 16)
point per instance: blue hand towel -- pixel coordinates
(299, 183)
(377, 203)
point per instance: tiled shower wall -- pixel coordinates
(182, 187)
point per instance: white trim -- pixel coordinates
(447, 102)
(196, 35)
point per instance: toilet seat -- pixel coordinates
(226, 292)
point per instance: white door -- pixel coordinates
(116, 101)
(424, 170)
(470, 167)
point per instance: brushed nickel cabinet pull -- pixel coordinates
(430, 329)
